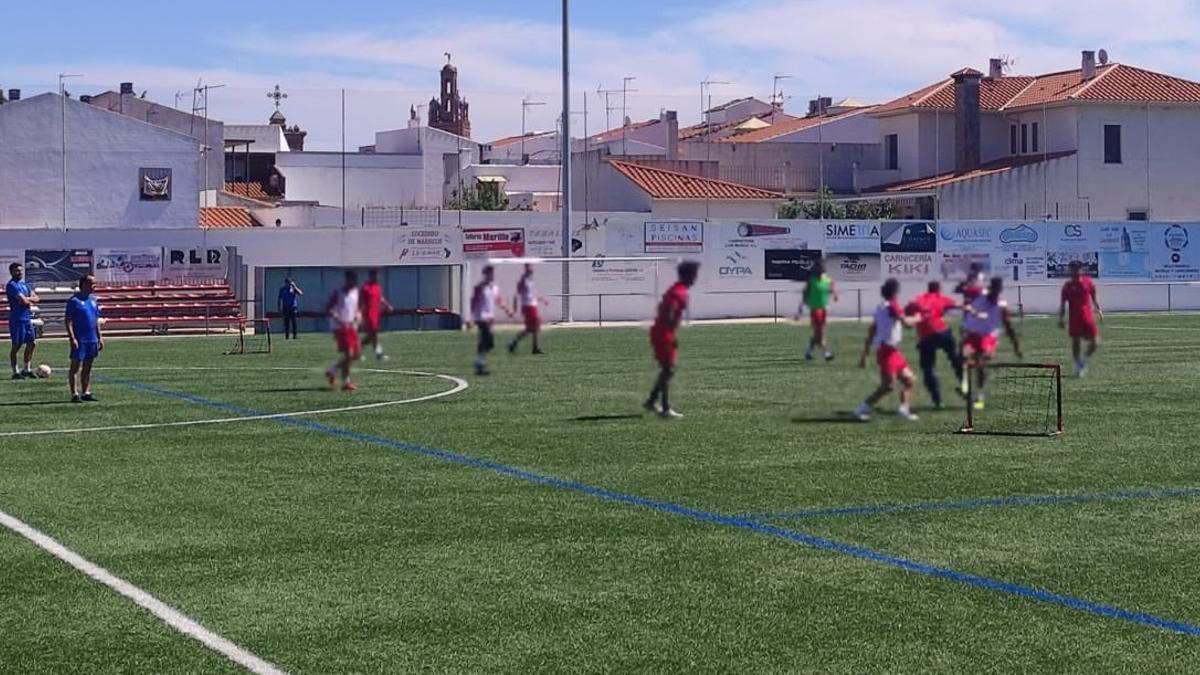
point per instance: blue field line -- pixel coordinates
(984, 503)
(669, 508)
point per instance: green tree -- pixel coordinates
(479, 198)
(823, 207)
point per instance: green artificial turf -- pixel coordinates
(331, 546)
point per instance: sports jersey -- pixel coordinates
(671, 308)
(345, 307)
(84, 314)
(1078, 296)
(931, 307)
(526, 295)
(289, 298)
(971, 288)
(18, 311)
(889, 326)
(818, 292)
(372, 299)
(483, 302)
(993, 317)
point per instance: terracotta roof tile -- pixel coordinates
(1114, 83)
(226, 217)
(249, 190)
(615, 134)
(789, 127)
(513, 140)
(665, 184)
(944, 179)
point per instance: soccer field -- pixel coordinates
(535, 521)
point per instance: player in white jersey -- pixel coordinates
(345, 313)
(528, 301)
(887, 331)
(485, 300)
(986, 316)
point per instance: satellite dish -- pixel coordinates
(1104, 57)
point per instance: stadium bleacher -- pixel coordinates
(158, 309)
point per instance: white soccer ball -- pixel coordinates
(44, 371)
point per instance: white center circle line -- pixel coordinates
(460, 385)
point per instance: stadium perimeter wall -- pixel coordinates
(750, 269)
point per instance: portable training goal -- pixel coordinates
(1019, 399)
(253, 337)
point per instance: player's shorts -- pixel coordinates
(980, 344)
(1084, 330)
(22, 333)
(533, 318)
(891, 361)
(347, 341)
(372, 323)
(666, 350)
(87, 351)
(818, 317)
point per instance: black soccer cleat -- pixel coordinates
(89, 398)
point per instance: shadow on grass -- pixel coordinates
(606, 418)
(24, 404)
(295, 390)
(836, 418)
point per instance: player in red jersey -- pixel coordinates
(528, 300)
(1079, 294)
(933, 336)
(987, 315)
(662, 338)
(973, 286)
(374, 306)
(885, 335)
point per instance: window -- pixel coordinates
(1024, 138)
(1012, 139)
(891, 145)
(1035, 136)
(1139, 214)
(1112, 143)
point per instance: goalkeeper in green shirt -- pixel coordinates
(818, 291)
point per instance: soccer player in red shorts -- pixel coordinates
(528, 300)
(662, 338)
(885, 335)
(374, 306)
(986, 315)
(1080, 295)
(345, 313)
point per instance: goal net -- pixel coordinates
(1017, 399)
(253, 337)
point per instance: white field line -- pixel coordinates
(459, 386)
(141, 598)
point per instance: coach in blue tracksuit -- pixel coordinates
(289, 306)
(83, 328)
(21, 300)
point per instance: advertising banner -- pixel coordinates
(1015, 251)
(908, 237)
(1124, 250)
(544, 242)
(128, 265)
(1174, 252)
(674, 238)
(416, 245)
(54, 266)
(194, 264)
(1020, 265)
(758, 237)
(494, 242)
(1058, 263)
(737, 265)
(602, 271)
(910, 266)
(849, 267)
(790, 264)
(852, 237)
(957, 266)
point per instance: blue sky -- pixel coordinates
(386, 54)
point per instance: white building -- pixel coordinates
(1100, 142)
(628, 187)
(534, 147)
(120, 171)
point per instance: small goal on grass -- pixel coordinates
(1020, 399)
(253, 337)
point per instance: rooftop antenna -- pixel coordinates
(777, 98)
(608, 106)
(526, 104)
(178, 95)
(447, 57)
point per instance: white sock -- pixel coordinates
(904, 409)
(378, 350)
(27, 366)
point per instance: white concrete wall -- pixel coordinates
(371, 179)
(907, 129)
(541, 149)
(860, 128)
(742, 109)
(105, 152)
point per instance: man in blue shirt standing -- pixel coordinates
(21, 299)
(289, 306)
(83, 328)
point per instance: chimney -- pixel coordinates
(995, 69)
(1088, 70)
(966, 120)
(670, 120)
(14, 95)
(85, 99)
(126, 87)
(819, 106)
